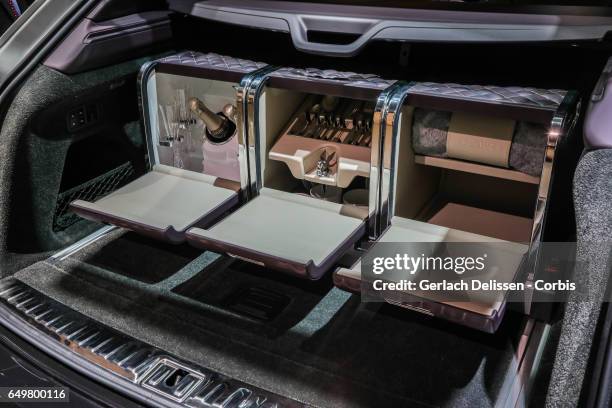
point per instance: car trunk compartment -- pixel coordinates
(323, 348)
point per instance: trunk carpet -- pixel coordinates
(306, 340)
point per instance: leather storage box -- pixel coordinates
(278, 228)
(181, 198)
(433, 199)
(192, 181)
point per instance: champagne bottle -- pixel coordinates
(218, 127)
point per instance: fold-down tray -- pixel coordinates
(164, 203)
(468, 308)
(284, 231)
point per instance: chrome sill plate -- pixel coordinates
(150, 368)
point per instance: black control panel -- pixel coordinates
(83, 116)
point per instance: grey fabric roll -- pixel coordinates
(430, 130)
(528, 148)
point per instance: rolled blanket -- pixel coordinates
(430, 130)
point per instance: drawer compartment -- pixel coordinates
(198, 167)
(315, 190)
(286, 232)
(478, 194)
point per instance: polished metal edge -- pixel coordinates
(562, 125)
(143, 104)
(379, 176)
(247, 94)
(132, 359)
(389, 129)
(82, 243)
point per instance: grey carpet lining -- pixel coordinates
(33, 162)
(189, 271)
(327, 349)
(233, 358)
(331, 303)
(593, 204)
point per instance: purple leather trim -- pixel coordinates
(212, 61)
(598, 121)
(507, 95)
(110, 9)
(346, 78)
(488, 324)
(308, 270)
(369, 23)
(518, 103)
(330, 82)
(94, 44)
(168, 234)
(207, 65)
(347, 283)
(370, 11)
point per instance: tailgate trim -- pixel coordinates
(127, 360)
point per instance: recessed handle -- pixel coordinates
(300, 25)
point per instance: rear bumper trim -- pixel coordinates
(116, 359)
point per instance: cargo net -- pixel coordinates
(91, 190)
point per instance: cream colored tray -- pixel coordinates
(284, 231)
(477, 311)
(163, 203)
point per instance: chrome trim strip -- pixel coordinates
(380, 138)
(247, 93)
(562, 124)
(254, 136)
(130, 359)
(143, 101)
(77, 246)
(389, 129)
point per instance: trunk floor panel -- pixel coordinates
(237, 283)
(324, 348)
(139, 258)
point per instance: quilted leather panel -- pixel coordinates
(348, 78)
(520, 96)
(214, 61)
(529, 97)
